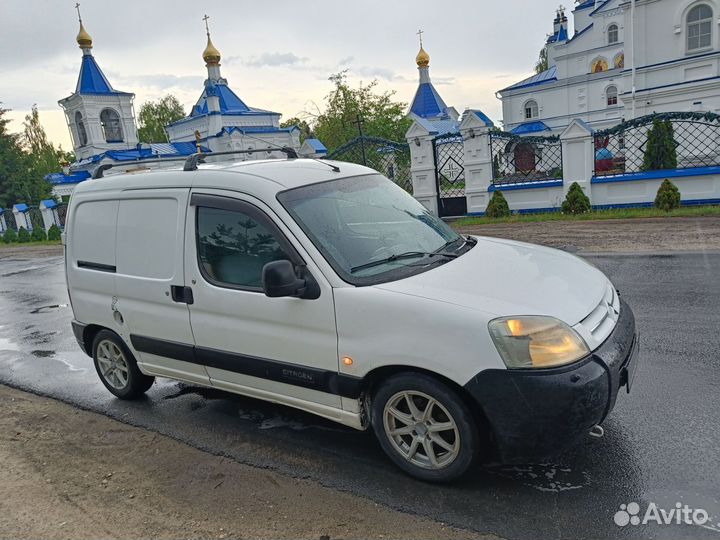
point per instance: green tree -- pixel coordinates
(381, 116)
(668, 196)
(10, 236)
(54, 233)
(155, 115)
(576, 202)
(15, 166)
(305, 131)
(44, 157)
(38, 235)
(23, 236)
(542, 64)
(661, 148)
(498, 206)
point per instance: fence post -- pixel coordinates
(475, 132)
(3, 225)
(422, 166)
(48, 213)
(578, 151)
(20, 213)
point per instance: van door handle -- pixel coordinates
(182, 294)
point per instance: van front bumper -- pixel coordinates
(535, 414)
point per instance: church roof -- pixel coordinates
(427, 102)
(545, 77)
(92, 80)
(530, 127)
(585, 4)
(316, 145)
(230, 103)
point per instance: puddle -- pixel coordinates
(43, 354)
(45, 309)
(545, 477)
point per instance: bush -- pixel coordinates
(38, 235)
(668, 196)
(53, 233)
(661, 149)
(498, 206)
(23, 235)
(10, 236)
(576, 202)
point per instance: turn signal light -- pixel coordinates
(347, 361)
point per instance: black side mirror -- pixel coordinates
(279, 279)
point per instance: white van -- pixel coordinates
(326, 287)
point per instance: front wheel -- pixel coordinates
(424, 427)
(117, 367)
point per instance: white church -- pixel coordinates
(625, 59)
(102, 124)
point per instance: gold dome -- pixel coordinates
(422, 58)
(211, 55)
(83, 38)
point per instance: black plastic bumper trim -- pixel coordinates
(331, 382)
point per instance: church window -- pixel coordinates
(612, 95)
(531, 110)
(110, 122)
(80, 127)
(699, 28)
(613, 34)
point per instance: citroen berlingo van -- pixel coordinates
(326, 287)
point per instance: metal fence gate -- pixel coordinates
(450, 174)
(389, 158)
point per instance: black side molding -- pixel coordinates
(323, 380)
(97, 266)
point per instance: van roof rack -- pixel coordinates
(191, 163)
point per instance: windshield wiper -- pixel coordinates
(401, 256)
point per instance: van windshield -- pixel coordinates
(370, 230)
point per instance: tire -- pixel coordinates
(414, 445)
(117, 368)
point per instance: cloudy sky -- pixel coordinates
(276, 55)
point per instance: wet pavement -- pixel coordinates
(661, 444)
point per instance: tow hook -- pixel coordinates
(597, 431)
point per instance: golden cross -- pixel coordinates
(207, 28)
(420, 33)
(77, 7)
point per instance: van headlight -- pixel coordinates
(536, 342)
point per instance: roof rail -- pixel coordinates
(191, 164)
(100, 171)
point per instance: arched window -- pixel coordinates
(612, 95)
(531, 110)
(80, 127)
(699, 28)
(613, 34)
(110, 122)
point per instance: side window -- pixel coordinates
(233, 247)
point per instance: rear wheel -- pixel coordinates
(424, 427)
(117, 367)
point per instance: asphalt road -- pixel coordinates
(661, 444)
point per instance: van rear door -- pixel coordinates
(150, 279)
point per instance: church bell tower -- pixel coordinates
(99, 117)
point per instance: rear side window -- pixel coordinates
(93, 233)
(233, 247)
(147, 237)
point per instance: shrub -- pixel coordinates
(23, 235)
(38, 234)
(661, 149)
(10, 236)
(53, 233)
(498, 206)
(668, 196)
(576, 202)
